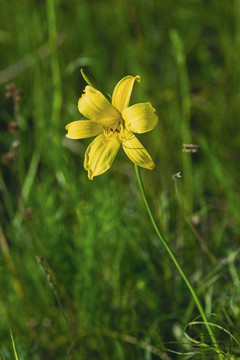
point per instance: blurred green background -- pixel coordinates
(82, 273)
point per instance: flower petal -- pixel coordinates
(140, 118)
(100, 154)
(96, 107)
(136, 151)
(83, 129)
(122, 92)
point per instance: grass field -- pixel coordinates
(83, 274)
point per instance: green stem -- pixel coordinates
(164, 242)
(197, 235)
(54, 60)
(14, 347)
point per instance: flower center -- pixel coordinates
(109, 132)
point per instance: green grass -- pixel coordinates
(82, 273)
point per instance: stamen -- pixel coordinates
(109, 132)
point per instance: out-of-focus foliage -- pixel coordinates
(82, 274)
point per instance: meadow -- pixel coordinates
(83, 274)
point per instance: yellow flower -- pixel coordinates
(114, 124)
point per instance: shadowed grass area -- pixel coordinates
(82, 273)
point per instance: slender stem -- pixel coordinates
(54, 60)
(14, 347)
(164, 242)
(201, 241)
(196, 233)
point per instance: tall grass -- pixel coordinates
(82, 272)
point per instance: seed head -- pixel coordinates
(12, 91)
(177, 175)
(190, 148)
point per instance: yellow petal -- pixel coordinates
(140, 118)
(122, 92)
(83, 129)
(100, 154)
(94, 106)
(136, 151)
